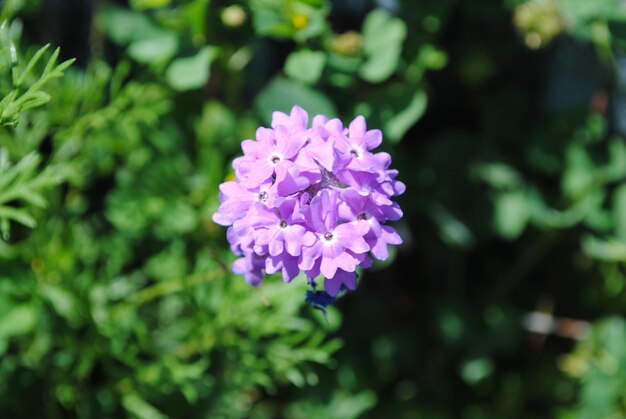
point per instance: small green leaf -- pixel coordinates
(154, 50)
(498, 175)
(18, 321)
(141, 408)
(124, 26)
(617, 159)
(451, 229)
(475, 370)
(296, 19)
(191, 72)
(380, 66)
(381, 31)
(63, 301)
(32, 100)
(610, 250)
(511, 214)
(404, 119)
(19, 215)
(578, 176)
(395, 109)
(305, 65)
(383, 36)
(31, 64)
(431, 57)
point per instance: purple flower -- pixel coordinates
(272, 150)
(357, 206)
(310, 199)
(338, 246)
(281, 228)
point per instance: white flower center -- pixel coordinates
(275, 158)
(328, 238)
(262, 196)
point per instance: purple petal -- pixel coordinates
(276, 246)
(290, 268)
(351, 236)
(310, 255)
(328, 267)
(373, 138)
(332, 286)
(254, 173)
(296, 121)
(293, 236)
(388, 236)
(346, 261)
(289, 180)
(357, 129)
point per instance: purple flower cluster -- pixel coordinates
(310, 198)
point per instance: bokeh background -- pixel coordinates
(505, 118)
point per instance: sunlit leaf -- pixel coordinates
(282, 94)
(305, 65)
(191, 72)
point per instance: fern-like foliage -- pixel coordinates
(23, 178)
(21, 96)
(22, 183)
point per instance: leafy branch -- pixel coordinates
(19, 98)
(22, 183)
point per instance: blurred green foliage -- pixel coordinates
(505, 118)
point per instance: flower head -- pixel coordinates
(310, 199)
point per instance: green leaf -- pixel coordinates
(195, 12)
(395, 109)
(617, 159)
(396, 126)
(380, 66)
(383, 36)
(609, 250)
(31, 64)
(62, 300)
(296, 19)
(381, 30)
(18, 321)
(498, 175)
(475, 370)
(511, 214)
(19, 215)
(32, 100)
(578, 176)
(451, 229)
(282, 94)
(141, 408)
(191, 72)
(124, 26)
(305, 66)
(431, 57)
(154, 50)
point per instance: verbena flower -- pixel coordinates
(310, 199)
